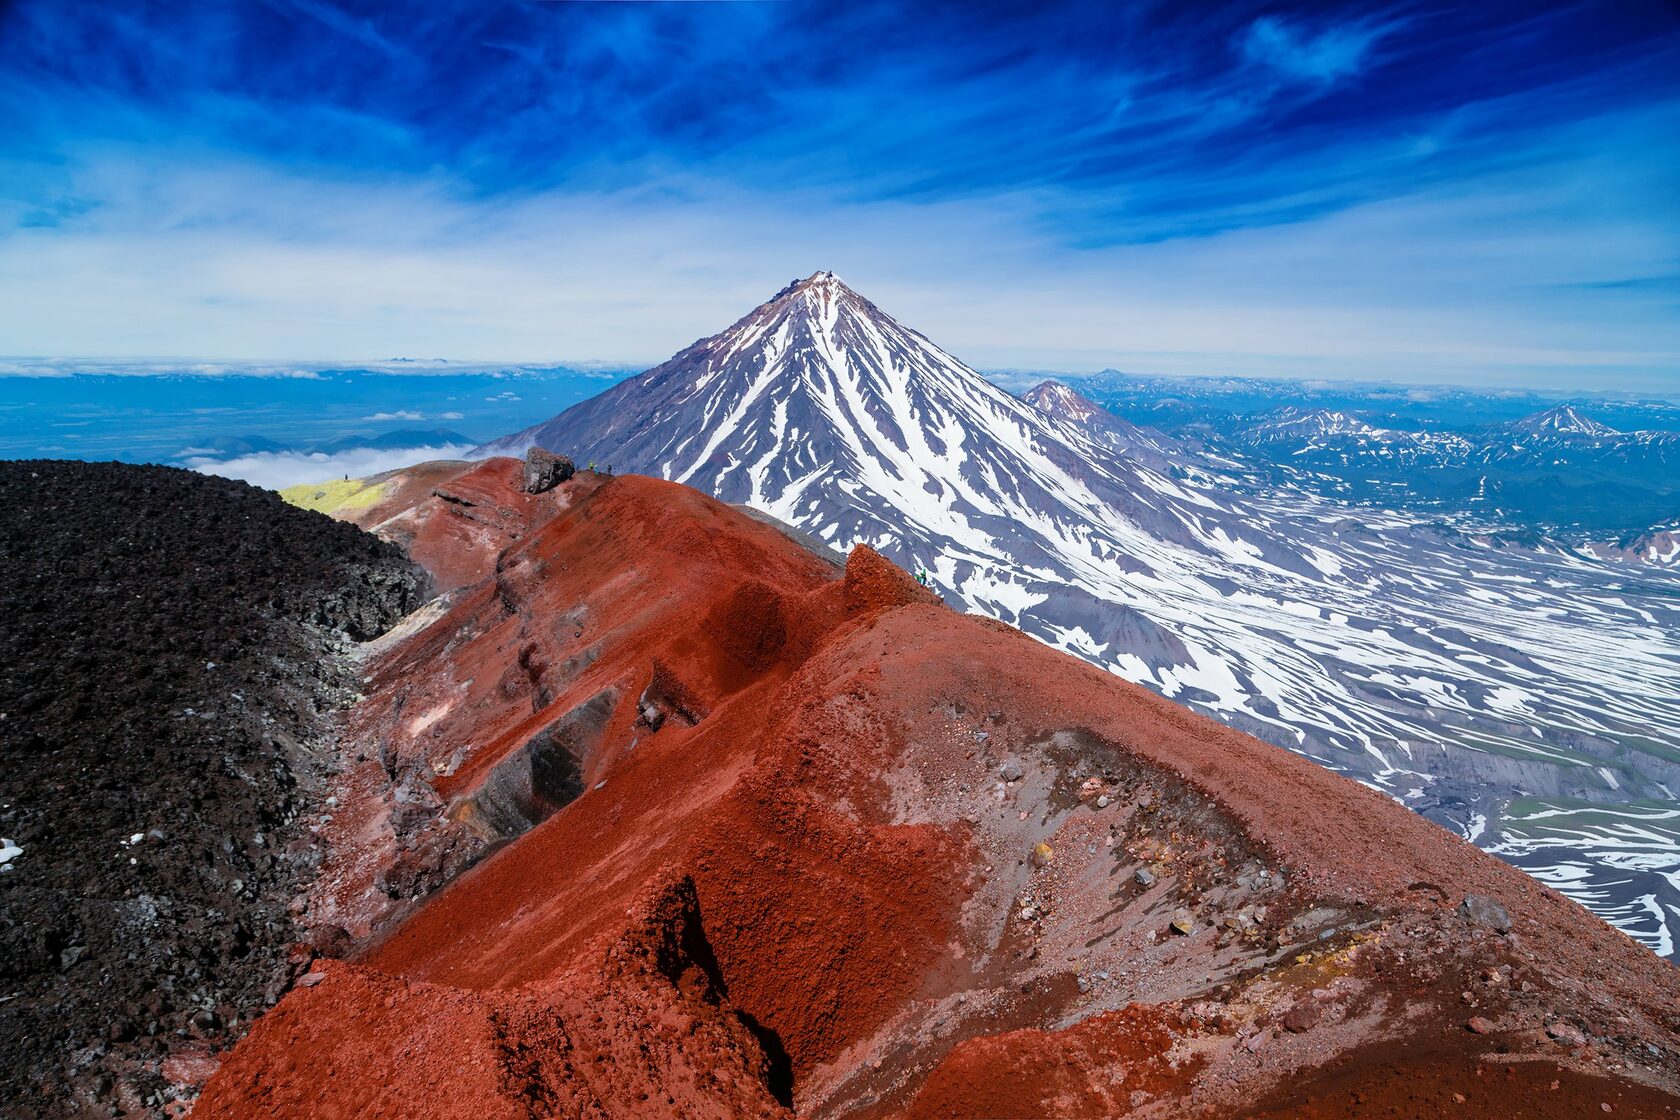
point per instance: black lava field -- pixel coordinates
(168, 644)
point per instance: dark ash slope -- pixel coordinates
(169, 642)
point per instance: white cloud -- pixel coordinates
(151, 367)
(1485, 278)
(1325, 55)
(452, 416)
(277, 470)
(402, 414)
(315, 370)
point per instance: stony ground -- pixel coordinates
(170, 642)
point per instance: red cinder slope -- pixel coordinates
(455, 517)
(670, 817)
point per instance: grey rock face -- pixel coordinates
(545, 470)
(1480, 910)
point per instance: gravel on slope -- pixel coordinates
(169, 643)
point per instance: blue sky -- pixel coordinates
(1485, 194)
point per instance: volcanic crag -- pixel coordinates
(664, 814)
(169, 643)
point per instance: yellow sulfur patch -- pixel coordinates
(338, 496)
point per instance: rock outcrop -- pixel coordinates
(544, 470)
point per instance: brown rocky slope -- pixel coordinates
(667, 815)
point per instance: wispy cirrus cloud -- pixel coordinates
(1238, 185)
(1319, 54)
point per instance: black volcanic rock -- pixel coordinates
(170, 641)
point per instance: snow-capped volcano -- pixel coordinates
(816, 397)
(824, 411)
(1084, 415)
(1055, 399)
(1448, 675)
(1561, 421)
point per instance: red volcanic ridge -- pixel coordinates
(667, 815)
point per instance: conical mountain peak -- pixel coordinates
(824, 279)
(817, 384)
(821, 298)
(1561, 420)
(1057, 399)
(816, 335)
(816, 293)
(815, 290)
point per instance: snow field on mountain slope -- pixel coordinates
(1270, 634)
(1619, 860)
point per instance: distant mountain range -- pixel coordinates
(1579, 473)
(1546, 433)
(1557, 471)
(1499, 691)
(1223, 401)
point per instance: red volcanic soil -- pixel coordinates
(455, 517)
(667, 815)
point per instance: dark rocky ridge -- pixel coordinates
(171, 643)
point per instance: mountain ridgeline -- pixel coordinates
(1528, 700)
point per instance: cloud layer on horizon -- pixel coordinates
(1396, 192)
(276, 470)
